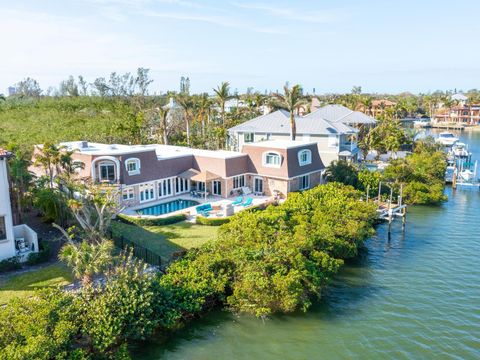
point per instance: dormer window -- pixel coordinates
(272, 159)
(304, 157)
(133, 166)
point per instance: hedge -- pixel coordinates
(10, 264)
(40, 257)
(201, 220)
(152, 221)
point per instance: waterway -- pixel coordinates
(413, 296)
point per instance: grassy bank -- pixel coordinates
(168, 239)
(24, 285)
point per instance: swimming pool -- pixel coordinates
(168, 207)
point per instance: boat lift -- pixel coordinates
(465, 176)
(389, 210)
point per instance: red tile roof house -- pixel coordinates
(18, 240)
(151, 174)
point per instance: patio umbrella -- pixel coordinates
(204, 176)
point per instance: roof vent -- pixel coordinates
(113, 147)
(84, 144)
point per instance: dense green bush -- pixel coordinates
(10, 264)
(201, 220)
(275, 260)
(152, 221)
(263, 262)
(43, 255)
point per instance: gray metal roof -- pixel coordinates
(339, 113)
(278, 122)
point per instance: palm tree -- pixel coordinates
(49, 159)
(185, 101)
(21, 179)
(204, 105)
(222, 94)
(163, 112)
(87, 259)
(367, 103)
(291, 101)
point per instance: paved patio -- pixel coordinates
(215, 201)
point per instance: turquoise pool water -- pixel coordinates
(168, 207)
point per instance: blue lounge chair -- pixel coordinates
(238, 201)
(204, 209)
(248, 202)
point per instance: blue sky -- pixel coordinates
(383, 46)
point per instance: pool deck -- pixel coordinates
(191, 211)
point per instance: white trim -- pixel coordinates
(301, 180)
(263, 183)
(309, 157)
(103, 158)
(137, 163)
(264, 159)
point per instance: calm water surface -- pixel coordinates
(415, 296)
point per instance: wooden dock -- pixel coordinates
(389, 210)
(447, 126)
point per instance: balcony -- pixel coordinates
(349, 146)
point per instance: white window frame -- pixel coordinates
(106, 163)
(308, 160)
(215, 186)
(137, 163)
(270, 153)
(238, 182)
(255, 178)
(165, 187)
(128, 194)
(148, 191)
(182, 183)
(300, 186)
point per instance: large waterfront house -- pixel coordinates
(151, 173)
(17, 240)
(461, 114)
(333, 128)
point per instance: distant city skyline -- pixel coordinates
(330, 46)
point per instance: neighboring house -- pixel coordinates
(148, 173)
(14, 240)
(378, 107)
(331, 127)
(460, 99)
(466, 115)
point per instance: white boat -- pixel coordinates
(449, 174)
(422, 123)
(466, 175)
(446, 138)
(459, 150)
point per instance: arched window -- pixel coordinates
(107, 171)
(132, 166)
(272, 159)
(304, 157)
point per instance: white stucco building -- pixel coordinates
(14, 240)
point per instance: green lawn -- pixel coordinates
(167, 239)
(23, 285)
